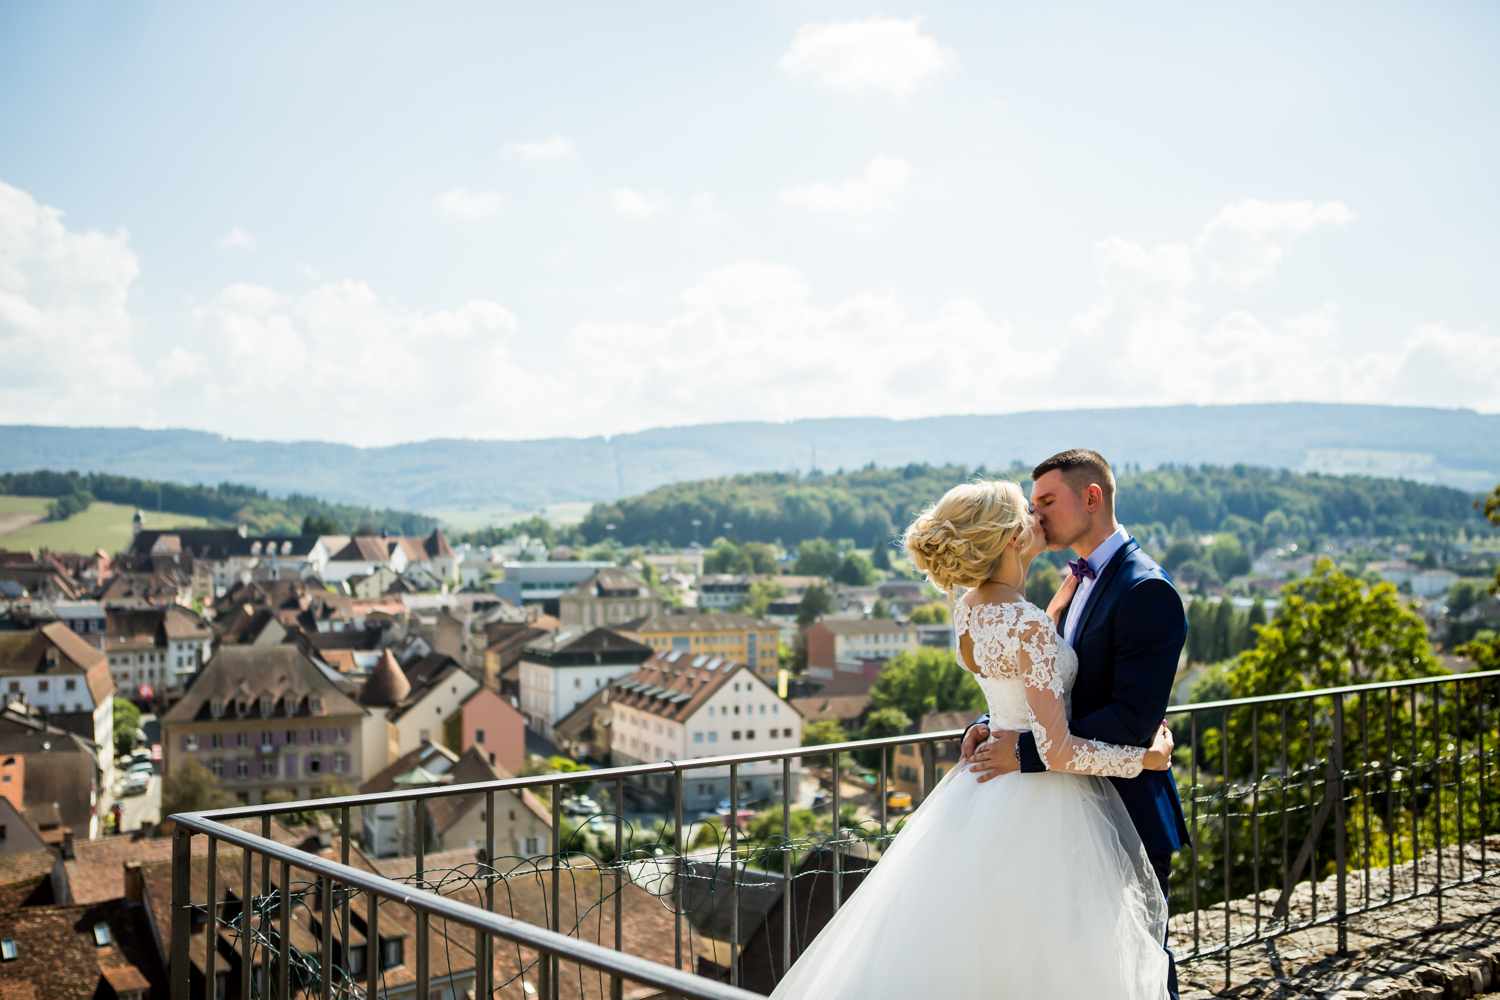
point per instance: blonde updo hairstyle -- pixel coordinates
(958, 541)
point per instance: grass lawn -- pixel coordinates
(103, 526)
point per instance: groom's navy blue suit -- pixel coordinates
(1128, 641)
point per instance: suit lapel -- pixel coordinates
(1111, 568)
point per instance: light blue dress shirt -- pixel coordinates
(1097, 559)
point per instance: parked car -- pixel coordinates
(580, 805)
(141, 767)
(136, 784)
(898, 800)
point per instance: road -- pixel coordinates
(139, 809)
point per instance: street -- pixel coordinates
(139, 809)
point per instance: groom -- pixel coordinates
(1126, 623)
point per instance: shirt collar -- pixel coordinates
(1101, 556)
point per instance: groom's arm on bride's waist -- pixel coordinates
(1149, 629)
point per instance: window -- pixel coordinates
(8, 950)
(736, 710)
(315, 737)
(192, 743)
(735, 735)
(217, 767)
(341, 736)
(424, 736)
(697, 737)
(713, 737)
(710, 711)
(70, 685)
(578, 682)
(216, 741)
(267, 742)
(774, 707)
(221, 986)
(340, 763)
(101, 934)
(479, 736)
(268, 767)
(357, 960)
(392, 952)
(242, 769)
(531, 845)
(291, 737)
(315, 705)
(314, 763)
(242, 707)
(267, 707)
(240, 740)
(762, 710)
(42, 686)
(749, 734)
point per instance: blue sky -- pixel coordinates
(377, 222)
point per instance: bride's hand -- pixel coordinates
(1062, 599)
(1159, 757)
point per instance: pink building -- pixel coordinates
(489, 722)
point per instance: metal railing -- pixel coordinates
(1280, 792)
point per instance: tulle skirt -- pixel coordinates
(1027, 886)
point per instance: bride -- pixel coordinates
(1027, 886)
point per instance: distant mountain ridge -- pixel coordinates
(1454, 447)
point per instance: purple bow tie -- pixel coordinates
(1081, 569)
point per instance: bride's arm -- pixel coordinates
(1061, 750)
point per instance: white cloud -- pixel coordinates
(66, 332)
(460, 204)
(881, 54)
(706, 211)
(237, 239)
(636, 205)
(1246, 241)
(554, 147)
(873, 191)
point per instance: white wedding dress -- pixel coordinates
(1028, 886)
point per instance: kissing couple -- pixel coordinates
(1038, 867)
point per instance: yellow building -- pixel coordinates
(741, 638)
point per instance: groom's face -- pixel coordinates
(1061, 511)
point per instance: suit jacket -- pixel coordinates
(1128, 643)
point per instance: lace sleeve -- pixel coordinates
(1060, 749)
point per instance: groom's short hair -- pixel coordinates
(1079, 468)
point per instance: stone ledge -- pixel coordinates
(1399, 952)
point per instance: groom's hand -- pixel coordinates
(973, 736)
(996, 758)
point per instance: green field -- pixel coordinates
(103, 526)
(457, 519)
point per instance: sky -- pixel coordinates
(374, 223)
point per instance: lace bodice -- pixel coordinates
(1026, 672)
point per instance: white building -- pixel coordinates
(541, 582)
(562, 670)
(53, 669)
(678, 706)
(1432, 582)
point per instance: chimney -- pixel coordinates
(134, 882)
(67, 843)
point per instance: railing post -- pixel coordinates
(549, 962)
(1339, 832)
(680, 887)
(372, 946)
(424, 976)
(734, 875)
(485, 966)
(327, 887)
(788, 912)
(838, 854)
(616, 984)
(211, 929)
(284, 946)
(247, 935)
(182, 928)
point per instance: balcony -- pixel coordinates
(1306, 809)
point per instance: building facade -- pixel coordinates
(742, 638)
(609, 597)
(843, 644)
(678, 706)
(562, 670)
(264, 718)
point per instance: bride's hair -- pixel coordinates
(958, 541)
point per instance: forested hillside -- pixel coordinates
(227, 503)
(870, 504)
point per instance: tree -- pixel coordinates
(761, 596)
(855, 571)
(881, 609)
(725, 557)
(1331, 630)
(1229, 557)
(127, 721)
(822, 733)
(815, 604)
(880, 555)
(1492, 511)
(881, 723)
(816, 557)
(191, 787)
(927, 680)
(317, 524)
(935, 613)
(1183, 550)
(366, 528)
(1484, 653)
(1042, 583)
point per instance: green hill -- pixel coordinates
(103, 526)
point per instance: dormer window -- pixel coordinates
(242, 706)
(315, 705)
(267, 707)
(216, 708)
(286, 548)
(101, 934)
(255, 548)
(289, 705)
